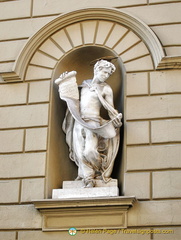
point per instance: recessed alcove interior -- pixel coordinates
(60, 168)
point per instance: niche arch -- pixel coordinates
(101, 26)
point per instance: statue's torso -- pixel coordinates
(89, 101)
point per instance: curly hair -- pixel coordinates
(104, 64)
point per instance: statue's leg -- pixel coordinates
(78, 147)
(85, 167)
(91, 150)
(92, 157)
(85, 144)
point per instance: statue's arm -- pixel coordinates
(108, 95)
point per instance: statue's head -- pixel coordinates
(103, 69)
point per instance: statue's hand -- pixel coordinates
(117, 120)
(63, 75)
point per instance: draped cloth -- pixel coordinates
(108, 135)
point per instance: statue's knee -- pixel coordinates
(91, 154)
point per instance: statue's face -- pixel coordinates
(103, 74)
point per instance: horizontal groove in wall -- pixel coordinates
(7, 61)
(37, 80)
(169, 93)
(164, 24)
(161, 200)
(173, 45)
(47, 15)
(28, 127)
(161, 3)
(153, 94)
(133, 5)
(13, 39)
(152, 119)
(153, 170)
(143, 199)
(138, 145)
(168, 143)
(21, 229)
(153, 144)
(35, 103)
(136, 95)
(23, 104)
(9, 153)
(6, 0)
(29, 17)
(147, 144)
(141, 71)
(35, 151)
(13, 105)
(21, 178)
(168, 199)
(14, 19)
(22, 152)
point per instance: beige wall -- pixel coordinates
(152, 124)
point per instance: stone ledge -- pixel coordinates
(83, 213)
(98, 183)
(169, 62)
(85, 192)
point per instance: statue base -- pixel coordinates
(76, 189)
(85, 213)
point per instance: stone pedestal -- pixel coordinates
(76, 189)
(84, 213)
(85, 208)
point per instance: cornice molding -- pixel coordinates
(59, 215)
(11, 77)
(170, 62)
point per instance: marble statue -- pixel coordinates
(93, 141)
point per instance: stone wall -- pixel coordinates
(152, 124)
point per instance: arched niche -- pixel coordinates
(107, 22)
(60, 167)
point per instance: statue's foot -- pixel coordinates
(89, 183)
(99, 177)
(78, 178)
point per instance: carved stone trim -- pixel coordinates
(11, 77)
(92, 213)
(64, 20)
(170, 63)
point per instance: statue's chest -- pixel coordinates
(89, 93)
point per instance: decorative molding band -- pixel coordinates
(170, 63)
(92, 213)
(64, 20)
(11, 77)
